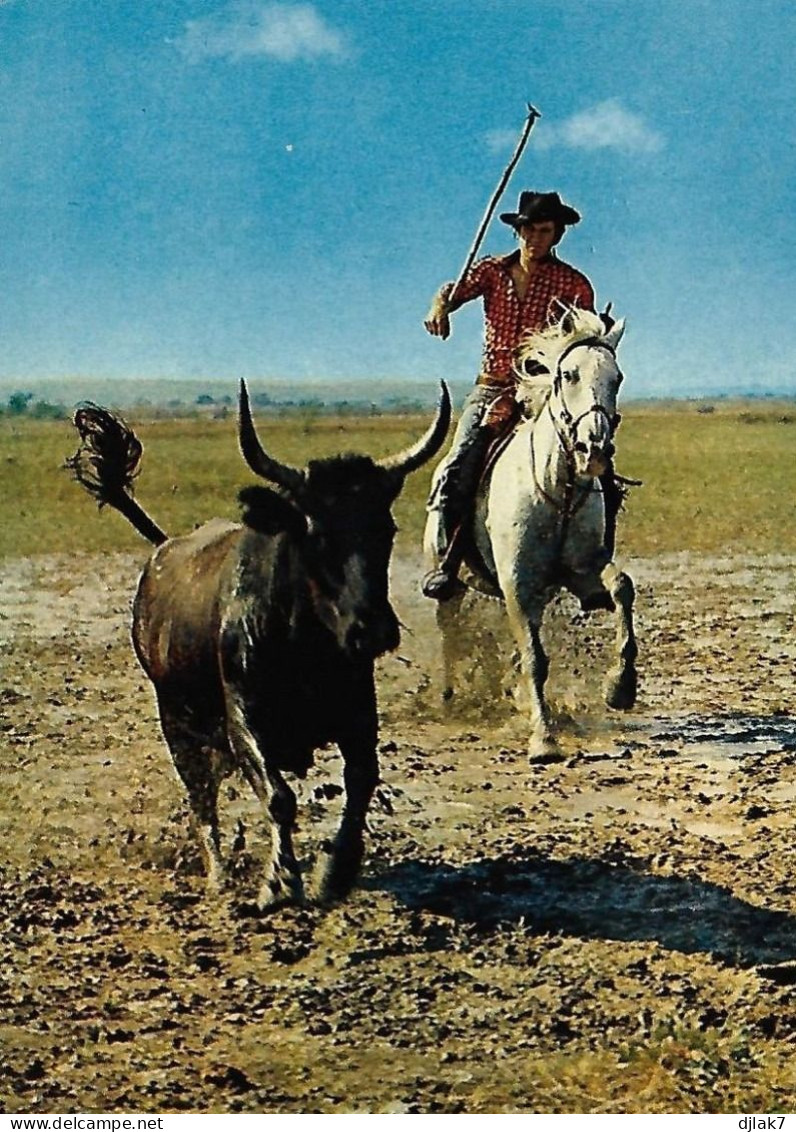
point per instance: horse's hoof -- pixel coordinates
(544, 752)
(621, 691)
(215, 892)
(217, 881)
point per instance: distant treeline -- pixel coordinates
(191, 401)
(26, 404)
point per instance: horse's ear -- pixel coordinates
(614, 335)
(568, 322)
(607, 319)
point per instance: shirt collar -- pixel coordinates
(506, 261)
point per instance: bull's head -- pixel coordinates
(340, 511)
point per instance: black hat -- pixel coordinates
(534, 207)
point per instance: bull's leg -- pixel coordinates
(360, 775)
(622, 680)
(282, 882)
(525, 618)
(200, 768)
(450, 629)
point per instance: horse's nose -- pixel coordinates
(597, 461)
(592, 458)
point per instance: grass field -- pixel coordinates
(614, 932)
(723, 479)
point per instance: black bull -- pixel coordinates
(260, 638)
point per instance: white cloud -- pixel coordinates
(499, 140)
(607, 125)
(285, 32)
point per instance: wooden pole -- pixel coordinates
(533, 114)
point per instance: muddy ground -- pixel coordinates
(612, 932)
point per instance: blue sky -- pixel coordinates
(201, 188)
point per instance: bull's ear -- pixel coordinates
(269, 513)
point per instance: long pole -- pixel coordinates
(533, 114)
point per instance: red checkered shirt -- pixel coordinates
(507, 317)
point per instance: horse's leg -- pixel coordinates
(526, 622)
(620, 691)
(450, 630)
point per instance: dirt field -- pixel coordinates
(614, 932)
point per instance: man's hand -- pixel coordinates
(437, 321)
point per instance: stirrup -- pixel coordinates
(441, 585)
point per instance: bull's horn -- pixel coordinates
(255, 455)
(428, 445)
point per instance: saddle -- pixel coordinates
(474, 570)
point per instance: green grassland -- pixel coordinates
(714, 481)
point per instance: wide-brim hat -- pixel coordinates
(535, 207)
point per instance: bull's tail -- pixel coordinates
(106, 464)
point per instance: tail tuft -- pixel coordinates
(109, 456)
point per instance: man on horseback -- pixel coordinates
(522, 292)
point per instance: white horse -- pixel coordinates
(539, 521)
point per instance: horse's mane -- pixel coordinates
(543, 348)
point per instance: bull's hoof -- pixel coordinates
(620, 692)
(268, 903)
(597, 601)
(279, 891)
(334, 890)
(339, 875)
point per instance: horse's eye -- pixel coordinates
(572, 376)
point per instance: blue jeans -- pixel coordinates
(454, 492)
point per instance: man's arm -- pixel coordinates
(437, 321)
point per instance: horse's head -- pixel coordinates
(580, 357)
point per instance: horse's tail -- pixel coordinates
(107, 462)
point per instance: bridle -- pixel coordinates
(565, 426)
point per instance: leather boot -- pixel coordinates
(441, 584)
